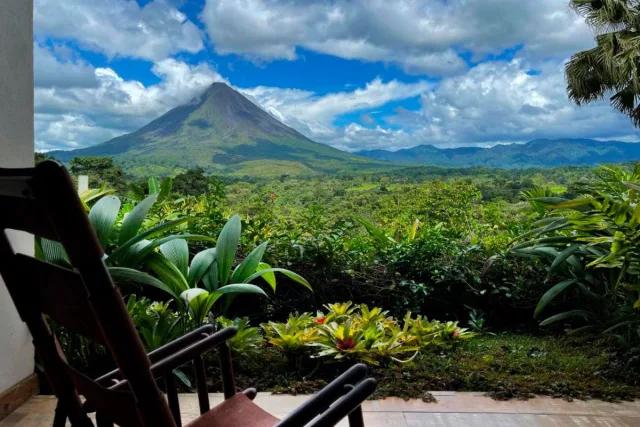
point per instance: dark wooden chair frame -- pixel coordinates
(42, 201)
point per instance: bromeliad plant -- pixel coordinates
(361, 333)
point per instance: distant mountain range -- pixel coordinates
(539, 153)
(223, 132)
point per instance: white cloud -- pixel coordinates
(500, 102)
(495, 102)
(119, 27)
(58, 71)
(314, 115)
(69, 116)
(420, 36)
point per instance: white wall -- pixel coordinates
(16, 150)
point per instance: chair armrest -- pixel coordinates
(321, 401)
(163, 351)
(188, 353)
(347, 404)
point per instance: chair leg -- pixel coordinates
(201, 384)
(226, 366)
(102, 420)
(60, 417)
(355, 418)
(172, 397)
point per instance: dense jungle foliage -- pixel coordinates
(484, 268)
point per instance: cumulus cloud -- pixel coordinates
(422, 37)
(60, 70)
(72, 116)
(314, 115)
(495, 102)
(119, 27)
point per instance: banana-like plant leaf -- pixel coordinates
(177, 252)
(168, 273)
(551, 294)
(51, 251)
(199, 302)
(210, 279)
(240, 288)
(290, 274)
(249, 265)
(564, 316)
(227, 246)
(147, 233)
(154, 185)
(102, 217)
(269, 276)
(134, 219)
(124, 274)
(165, 188)
(562, 256)
(200, 264)
(139, 256)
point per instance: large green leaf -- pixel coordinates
(147, 233)
(562, 256)
(551, 294)
(249, 265)
(177, 251)
(564, 316)
(134, 219)
(200, 264)
(240, 288)
(154, 185)
(51, 251)
(102, 217)
(210, 279)
(139, 255)
(124, 274)
(168, 273)
(268, 276)
(199, 302)
(227, 246)
(290, 274)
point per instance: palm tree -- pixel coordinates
(611, 66)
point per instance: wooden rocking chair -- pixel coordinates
(84, 300)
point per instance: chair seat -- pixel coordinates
(238, 411)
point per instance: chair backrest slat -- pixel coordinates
(59, 293)
(80, 296)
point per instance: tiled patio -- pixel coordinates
(451, 409)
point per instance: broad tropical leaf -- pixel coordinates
(551, 294)
(249, 265)
(102, 217)
(134, 219)
(290, 274)
(227, 247)
(177, 252)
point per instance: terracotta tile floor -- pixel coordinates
(451, 409)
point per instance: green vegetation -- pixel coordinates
(460, 248)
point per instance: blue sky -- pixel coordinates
(353, 74)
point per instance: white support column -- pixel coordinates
(16, 150)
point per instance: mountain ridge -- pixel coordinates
(539, 153)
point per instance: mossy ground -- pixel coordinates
(504, 366)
